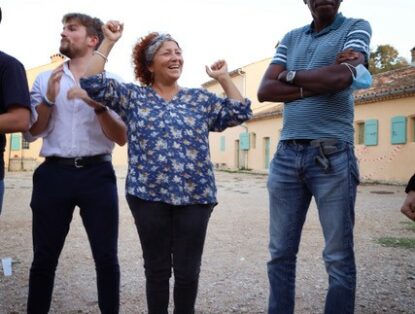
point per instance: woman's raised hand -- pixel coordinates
(217, 69)
(113, 30)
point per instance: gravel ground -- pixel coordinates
(233, 278)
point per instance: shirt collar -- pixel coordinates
(335, 25)
(66, 70)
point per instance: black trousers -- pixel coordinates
(171, 237)
(57, 189)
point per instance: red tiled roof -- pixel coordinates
(388, 85)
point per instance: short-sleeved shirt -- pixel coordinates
(14, 91)
(328, 115)
(168, 141)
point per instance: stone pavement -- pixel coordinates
(233, 277)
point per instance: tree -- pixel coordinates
(385, 58)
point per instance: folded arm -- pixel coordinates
(324, 80)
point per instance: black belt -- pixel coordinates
(314, 143)
(300, 141)
(79, 162)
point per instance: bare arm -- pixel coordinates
(327, 79)
(112, 32)
(113, 128)
(15, 119)
(219, 72)
(44, 113)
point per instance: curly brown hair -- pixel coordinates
(141, 72)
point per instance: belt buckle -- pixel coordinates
(77, 161)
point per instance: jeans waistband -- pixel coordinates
(79, 162)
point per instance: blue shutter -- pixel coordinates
(266, 152)
(15, 142)
(222, 143)
(244, 141)
(398, 130)
(371, 132)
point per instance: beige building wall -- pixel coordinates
(386, 162)
(231, 156)
(265, 134)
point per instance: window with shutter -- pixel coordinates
(371, 132)
(398, 130)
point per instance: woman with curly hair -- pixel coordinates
(170, 183)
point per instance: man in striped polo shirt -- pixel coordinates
(315, 155)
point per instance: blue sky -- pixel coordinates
(240, 31)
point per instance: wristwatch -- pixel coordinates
(289, 78)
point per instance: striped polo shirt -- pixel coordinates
(328, 115)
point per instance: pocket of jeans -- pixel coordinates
(330, 150)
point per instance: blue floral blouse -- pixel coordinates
(168, 141)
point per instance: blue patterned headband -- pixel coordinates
(155, 45)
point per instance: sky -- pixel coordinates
(239, 31)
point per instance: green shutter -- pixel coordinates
(398, 130)
(15, 142)
(222, 143)
(371, 132)
(244, 141)
(266, 152)
(360, 133)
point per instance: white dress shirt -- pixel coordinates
(73, 129)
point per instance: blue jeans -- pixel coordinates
(171, 237)
(57, 190)
(294, 178)
(1, 194)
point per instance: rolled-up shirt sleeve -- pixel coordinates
(36, 97)
(108, 91)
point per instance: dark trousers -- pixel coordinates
(171, 237)
(57, 189)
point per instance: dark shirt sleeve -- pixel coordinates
(14, 85)
(411, 185)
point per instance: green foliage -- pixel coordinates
(385, 58)
(405, 243)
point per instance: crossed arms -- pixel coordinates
(327, 79)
